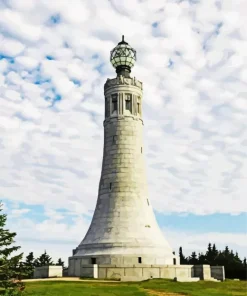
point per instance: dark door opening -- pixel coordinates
(93, 260)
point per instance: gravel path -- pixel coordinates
(73, 279)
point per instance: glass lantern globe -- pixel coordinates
(123, 58)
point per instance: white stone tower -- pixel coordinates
(123, 229)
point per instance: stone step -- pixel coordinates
(212, 280)
(186, 279)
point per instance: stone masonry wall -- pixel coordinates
(124, 229)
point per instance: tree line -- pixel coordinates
(234, 266)
(43, 260)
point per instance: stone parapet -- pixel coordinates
(48, 271)
(218, 272)
(181, 273)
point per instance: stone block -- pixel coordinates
(133, 271)
(167, 273)
(186, 279)
(218, 272)
(87, 272)
(48, 271)
(202, 271)
(114, 273)
(183, 272)
(151, 272)
(102, 272)
(130, 260)
(85, 261)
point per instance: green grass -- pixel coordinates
(152, 287)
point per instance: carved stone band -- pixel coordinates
(123, 81)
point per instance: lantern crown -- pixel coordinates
(123, 58)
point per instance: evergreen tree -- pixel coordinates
(12, 269)
(193, 258)
(209, 256)
(30, 264)
(214, 253)
(182, 257)
(202, 259)
(237, 259)
(244, 263)
(43, 260)
(234, 266)
(226, 251)
(36, 263)
(60, 262)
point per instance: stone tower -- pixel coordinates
(123, 228)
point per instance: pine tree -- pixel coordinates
(43, 260)
(209, 254)
(12, 269)
(244, 263)
(30, 264)
(214, 252)
(60, 262)
(182, 257)
(237, 260)
(193, 258)
(226, 251)
(202, 259)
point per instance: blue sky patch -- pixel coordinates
(224, 223)
(55, 19)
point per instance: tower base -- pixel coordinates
(140, 272)
(76, 262)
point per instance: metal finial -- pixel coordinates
(122, 38)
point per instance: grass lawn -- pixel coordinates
(157, 287)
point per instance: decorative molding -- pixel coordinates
(123, 81)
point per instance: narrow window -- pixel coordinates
(110, 186)
(128, 103)
(147, 201)
(107, 107)
(138, 108)
(139, 259)
(93, 260)
(141, 149)
(174, 261)
(114, 103)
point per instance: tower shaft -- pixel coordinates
(123, 227)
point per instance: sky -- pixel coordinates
(54, 61)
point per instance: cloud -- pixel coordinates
(10, 47)
(191, 60)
